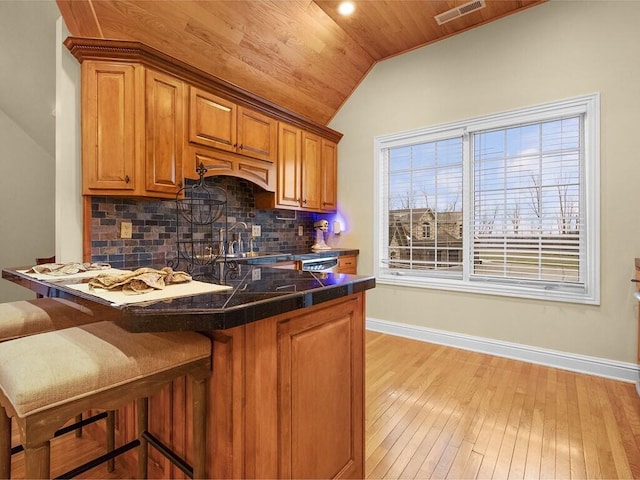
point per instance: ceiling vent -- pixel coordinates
(460, 11)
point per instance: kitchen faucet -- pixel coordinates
(241, 224)
(230, 248)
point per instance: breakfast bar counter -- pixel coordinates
(286, 395)
(255, 292)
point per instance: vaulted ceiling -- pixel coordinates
(299, 54)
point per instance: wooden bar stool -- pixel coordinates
(97, 366)
(27, 317)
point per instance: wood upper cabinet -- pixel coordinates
(289, 166)
(164, 133)
(257, 135)
(311, 171)
(329, 174)
(306, 167)
(219, 123)
(110, 149)
(132, 130)
(230, 140)
(136, 102)
(212, 120)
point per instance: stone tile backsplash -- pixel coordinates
(155, 224)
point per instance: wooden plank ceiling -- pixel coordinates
(299, 54)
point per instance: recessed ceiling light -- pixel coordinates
(346, 8)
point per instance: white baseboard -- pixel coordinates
(602, 367)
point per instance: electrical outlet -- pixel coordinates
(256, 274)
(256, 230)
(126, 229)
(300, 230)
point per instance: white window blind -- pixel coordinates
(527, 221)
(504, 204)
(425, 206)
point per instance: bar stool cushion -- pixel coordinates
(43, 370)
(26, 317)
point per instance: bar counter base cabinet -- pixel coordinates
(286, 399)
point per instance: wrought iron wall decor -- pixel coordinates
(200, 249)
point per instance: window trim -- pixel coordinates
(589, 105)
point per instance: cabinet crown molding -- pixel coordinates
(129, 51)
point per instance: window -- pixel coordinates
(503, 204)
(426, 232)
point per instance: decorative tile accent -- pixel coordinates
(154, 225)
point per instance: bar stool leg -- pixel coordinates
(5, 444)
(79, 430)
(143, 426)
(111, 438)
(199, 393)
(37, 460)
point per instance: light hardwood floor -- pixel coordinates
(440, 412)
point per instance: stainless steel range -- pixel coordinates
(325, 264)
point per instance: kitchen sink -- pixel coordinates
(254, 254)
(257, 258)
(239, 256)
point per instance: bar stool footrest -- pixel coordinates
(68, 428)
(99, 460)
(172, 456)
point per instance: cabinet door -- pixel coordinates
(348, 264)
(212, 120)
(311, 171)
(257, 135)
(320, 408)
(164, 133)
(108, 126)
(329, 175)
(289, 166)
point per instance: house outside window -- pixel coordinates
(504, 204)
(426, 230)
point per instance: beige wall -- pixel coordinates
(553, 51)
(27, 127)
(26, 203)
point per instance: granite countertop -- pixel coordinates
(296, 256)
(257, 292)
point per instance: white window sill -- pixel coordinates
(546, 294)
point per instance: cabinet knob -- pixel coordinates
(304, 202)
(126, 179)
(241, 147)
